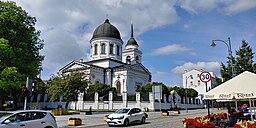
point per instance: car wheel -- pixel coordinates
(143, 120)
(126, 122)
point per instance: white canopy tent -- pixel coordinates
(240, 87)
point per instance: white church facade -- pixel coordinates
(110, 63)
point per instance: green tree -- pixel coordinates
(180, 91)
(243, 62)
(148, 88)
(102, 89)
(40, 86)
(56, 87)
(18, 28)
(6, 53)
(10, 81)
(218, 81)
(68, 86)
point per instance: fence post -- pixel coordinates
(96, 100)
(152, 101)
(124, 97)
(138, 99)
(110, 100)
(165, 102)
(80, 102)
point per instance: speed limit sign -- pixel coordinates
(205, 77)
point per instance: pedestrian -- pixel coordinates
(232, 115)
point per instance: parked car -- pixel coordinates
(246, 111)
(28, 119)
(125, 116)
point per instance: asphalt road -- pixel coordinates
(155, 120)
(171, 121)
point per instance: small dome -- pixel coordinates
(106, 30)
(132, 41)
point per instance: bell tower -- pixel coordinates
(131, 53)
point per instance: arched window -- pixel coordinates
(103, 48)
(117, 50)
(95, 49)
(118, 87)
(111, 49)
(128, 60)
(137, 59)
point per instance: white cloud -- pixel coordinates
(170, 49)
(67, 26)
(239, 6)
(229, 7)
(193, 6)
(205, 66)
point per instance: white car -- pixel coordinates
(28, 119)
(125, 116)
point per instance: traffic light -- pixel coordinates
(25, 92)
(33, 87)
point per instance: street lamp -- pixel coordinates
(186, 91)
(229, 51)
(125, 91)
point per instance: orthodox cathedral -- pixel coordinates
(110, 63)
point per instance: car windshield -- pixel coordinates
(125, 110)
(3, 115)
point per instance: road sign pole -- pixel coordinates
(206, 77)
(207, 102)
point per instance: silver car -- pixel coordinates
(28, 119)
(126, 116)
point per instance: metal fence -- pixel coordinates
(88, 97)
(144, 97)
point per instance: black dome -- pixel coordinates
(106, 30)
(132, 41)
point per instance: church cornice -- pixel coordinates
(104, 59)
(108, 38)
(85, 65)
(71, 64)
(128, 67)
(131, 49)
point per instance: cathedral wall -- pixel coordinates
(97, 74)
(134, 79)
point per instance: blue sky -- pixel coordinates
(174, 35)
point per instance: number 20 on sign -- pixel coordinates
(205, 77)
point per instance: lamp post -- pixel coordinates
(186, 91)
(229, 51)
(126, 88)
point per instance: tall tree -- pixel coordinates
(18, 28)
(243, 62)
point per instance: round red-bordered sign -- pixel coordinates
(205, 77)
